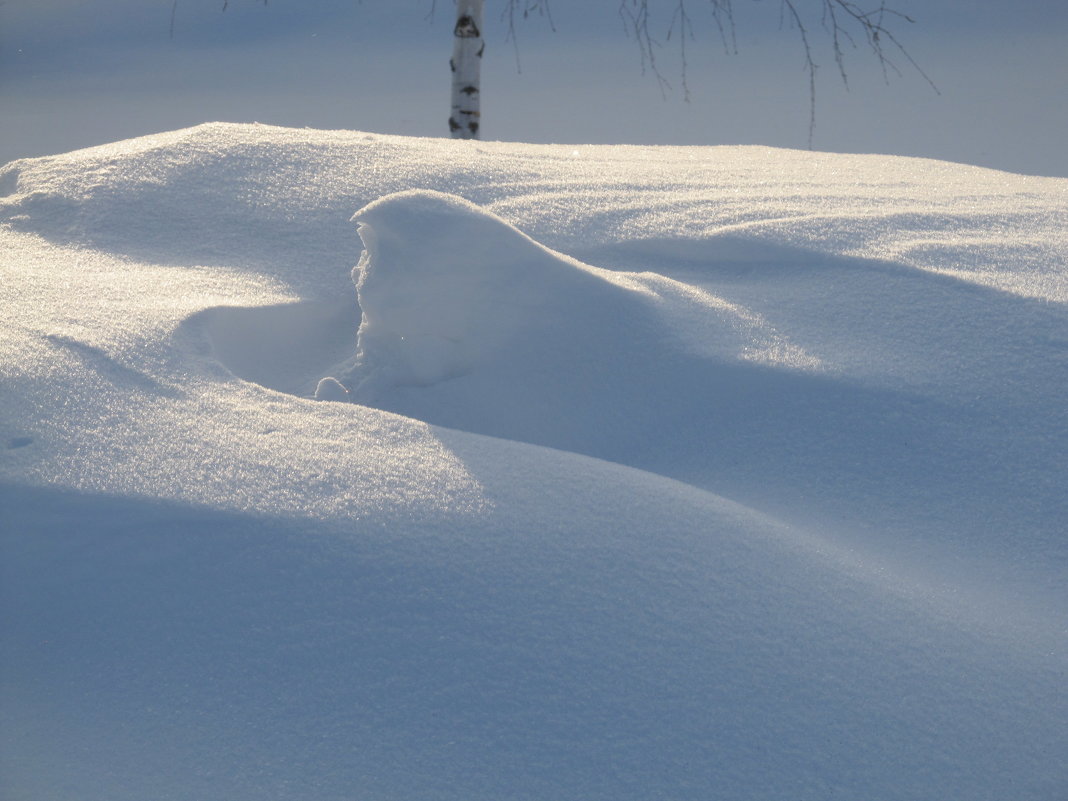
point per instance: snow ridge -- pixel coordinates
(767, 504)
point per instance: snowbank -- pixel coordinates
(763, 498)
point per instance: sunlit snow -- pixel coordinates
(345, 466)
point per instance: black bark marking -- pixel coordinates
(466, 28)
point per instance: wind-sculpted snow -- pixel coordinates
(447, 290)
(245, 196)
(467, 323)
(798, 531)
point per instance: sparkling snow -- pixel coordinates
(634, 473)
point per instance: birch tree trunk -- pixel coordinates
(466, 66)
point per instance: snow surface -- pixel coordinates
(678, 473)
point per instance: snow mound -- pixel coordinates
(446, 288)
(468, 322)
(214, 587)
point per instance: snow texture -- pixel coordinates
(757, 492)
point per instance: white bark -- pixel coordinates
(466, 68)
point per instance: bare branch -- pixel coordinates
(845, 23)
(226, 4)
(685, 30)
(635, 16)
(524, 8)
(723, 16)
(810, 66)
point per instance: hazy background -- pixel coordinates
(75, 73)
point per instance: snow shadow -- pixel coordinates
(567, 658)
(286, 347)
(194, 208)
(470, 325)
(818, 411)
(107, 366)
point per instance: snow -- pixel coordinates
(720, 472)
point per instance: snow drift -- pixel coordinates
(798, 530)
(469, 323)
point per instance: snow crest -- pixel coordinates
(445, 287)
(448, 289)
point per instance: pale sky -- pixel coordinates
(75, 73)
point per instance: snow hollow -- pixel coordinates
(344, 466)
